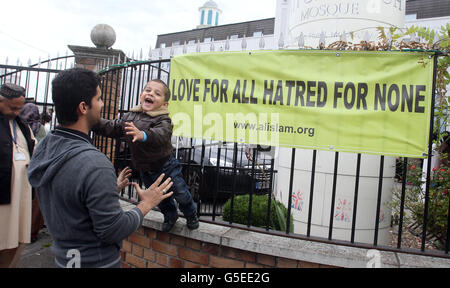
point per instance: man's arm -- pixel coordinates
(110, 222)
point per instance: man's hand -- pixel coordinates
(133, 132)
(153, 195)
(123, 179)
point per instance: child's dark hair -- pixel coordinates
(167, 94)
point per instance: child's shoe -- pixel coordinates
(192, 222)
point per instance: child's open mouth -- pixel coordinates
(148, 101)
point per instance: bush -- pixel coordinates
(278, 213)
(437, 204)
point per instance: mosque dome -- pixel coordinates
(210, 4)
(209, 14)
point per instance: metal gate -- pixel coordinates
(36, 79)
(214, 171)
(218, 171)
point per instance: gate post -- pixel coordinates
(96, 59)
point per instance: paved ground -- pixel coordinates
(38, 254)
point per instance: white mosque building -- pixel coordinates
(273, 33)
(277, 33)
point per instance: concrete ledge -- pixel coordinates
(278, 246)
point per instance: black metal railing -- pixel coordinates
(122, 84)
(216, 172)
(36, 79)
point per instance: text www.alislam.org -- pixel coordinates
(275, 128)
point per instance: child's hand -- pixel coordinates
(134, 132)
(123, 178)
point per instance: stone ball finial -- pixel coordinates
(103, 36)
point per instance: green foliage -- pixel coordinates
(415, 200)
(429, 40)
(432, 40)
(438, 203)
(278, 213)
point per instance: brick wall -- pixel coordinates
(149, 248)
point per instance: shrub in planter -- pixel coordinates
(438, 201)
(278, 213)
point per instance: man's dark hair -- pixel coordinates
(167, 94)
(69, 89)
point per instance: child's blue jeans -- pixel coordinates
(180, 189)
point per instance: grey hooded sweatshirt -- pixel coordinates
(77, 192)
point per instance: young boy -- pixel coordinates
(149, 130)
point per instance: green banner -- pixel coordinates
(361, 102)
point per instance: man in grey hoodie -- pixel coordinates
(77, 185)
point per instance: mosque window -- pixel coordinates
(209, 17)
(202, 21)
(257, 34)
(217, 18)
(411, 17)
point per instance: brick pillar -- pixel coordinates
(96, 59)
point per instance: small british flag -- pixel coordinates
(297, 201)
(343, 211)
